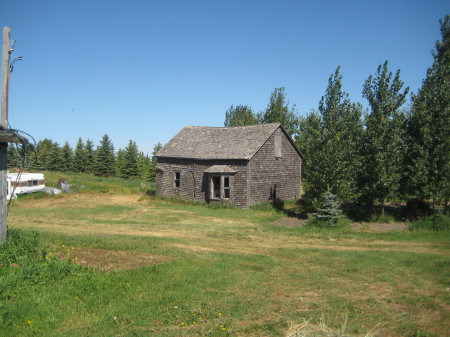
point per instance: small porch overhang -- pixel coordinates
(220, 169)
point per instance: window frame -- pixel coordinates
(222, 188)
(177, 180)
(32, 183)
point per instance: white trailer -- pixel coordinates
(23, 183)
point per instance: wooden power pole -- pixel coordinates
(6, 53)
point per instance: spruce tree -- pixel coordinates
(14, 156)
(131, 156)
(42, 153)
(105, 164)
(90, 156)
(54, 158)
(66, 158)
(79, 160)
(328, 215)
(121, 164)
(21, 156)
(127, 161)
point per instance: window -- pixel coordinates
(226, 187)
(277, 146)
(32, 183)
(220, 187)
(177, 181)
(215, 187)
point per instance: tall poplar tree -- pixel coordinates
(309, 141)
(428, 162)
(383, 148)
(342, 130)
(144, 165)
(240, 115)
(278, 110)
(330, 140)
(156, 148)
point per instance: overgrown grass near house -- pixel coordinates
(81, 182)
(437, 222)
(211, 272)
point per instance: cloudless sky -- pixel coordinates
(143, 69)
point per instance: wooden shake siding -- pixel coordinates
(194, 184)
(266, 171)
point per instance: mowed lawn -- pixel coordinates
(162, 268)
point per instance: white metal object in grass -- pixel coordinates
(24, 183)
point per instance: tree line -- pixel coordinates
(101, 160)
(387, 152)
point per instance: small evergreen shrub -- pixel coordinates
(328, 216)
(438, 222)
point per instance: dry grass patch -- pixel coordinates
(307, 329)
(108, 260)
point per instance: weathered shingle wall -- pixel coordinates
(270, 175)
(194, 184)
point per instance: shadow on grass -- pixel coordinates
(357, 212)
(294, 209)
(413, 209)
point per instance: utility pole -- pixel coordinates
(6, 53)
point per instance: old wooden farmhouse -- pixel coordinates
(242, 166)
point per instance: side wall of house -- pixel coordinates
(274, 174)
(194, 182)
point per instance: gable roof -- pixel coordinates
(201, 142)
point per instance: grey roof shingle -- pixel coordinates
(201, 142)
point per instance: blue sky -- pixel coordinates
(142, 70)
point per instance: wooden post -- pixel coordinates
(6, 52)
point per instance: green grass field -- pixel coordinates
(113, 262)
